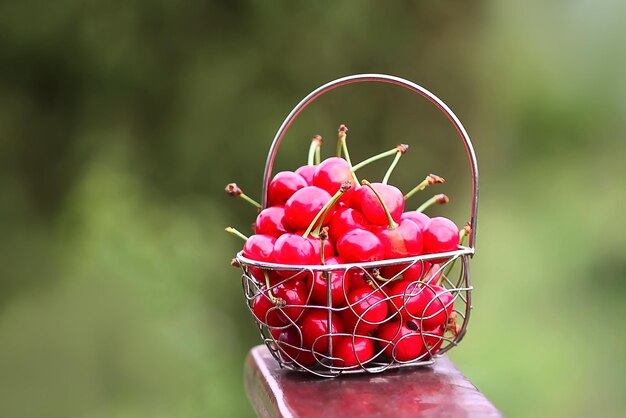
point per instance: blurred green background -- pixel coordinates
(121, 122)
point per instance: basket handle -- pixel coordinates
(380, 78)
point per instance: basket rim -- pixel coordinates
(462, 250)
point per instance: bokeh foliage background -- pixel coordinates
(121, 121)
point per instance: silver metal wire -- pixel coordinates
(449, 306)
(380, 78)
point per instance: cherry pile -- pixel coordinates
(322, 215)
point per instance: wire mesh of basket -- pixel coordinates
(422, 320)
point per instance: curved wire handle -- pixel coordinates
(381, 78)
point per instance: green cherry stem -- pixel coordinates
(440, 199)
(378, 157)
(428, 181)
(341, 142)
(462, 237)
(324, 210)
(392, 223)
(314, 149)
(393, 165)
(236, 233)
(234, 190)
(273, 299)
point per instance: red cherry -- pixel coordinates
(428, 306)
(351, 354)
(413, 273)
(270, 221)
(402, 340)
(367, 309)
(434, 339)
(329, 248)
(359, 245)
(405, 240)
(292, 295)
(357, 198)
(345, 220)
(338, 284)
(372, 208)
(307, 172)
(291, 348)
(259, 247)
(283, 186)
(315, 324)
(419, 218)
(440, 235)
(293, 249)
(303, 205)
(439, 308)
(330, 175)
(433, 273)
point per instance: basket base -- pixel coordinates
(439, 390)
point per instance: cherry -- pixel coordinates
(307, 172)
(283, 186)
(351, 353)
(440, 235)
(331, 174)
(431, 304)
(293, 249)
(403, 240)
(281, 304)
(291, 348)
(270, 221)
(303, 205)
(434, 339)
(401, 340)
(357, 198)
(367, 309)
(338, 285)
(413, 273)
(359, 245)
(372, 207)
(329, 248)
(344, 220)
(419, 218)
(259, 247)
(314, 325)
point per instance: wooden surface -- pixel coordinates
(440, 390)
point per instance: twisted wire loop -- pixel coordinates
(448, 284)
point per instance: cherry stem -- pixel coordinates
(343, 145)
(345, 186)
(392, 223)
(376, 158)
(462, 236)
(376, 275)
(440, 199)
(236, 233)
(323, 236)
(428, 181)
(391, 167)
(314, 150)
(234, 190)
(273, 298)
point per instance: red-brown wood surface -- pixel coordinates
(440, 390)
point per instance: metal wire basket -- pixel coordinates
(319, 357)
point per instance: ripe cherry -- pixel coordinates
(280, 305)
(259, 247)
(359, 245)
(434, 339)
(413, 273)
(315, 331)
(303, 205)
(293, 249)
(307, 172)
(439, 307)
(351, 354)
(331, 174)
(419, 218)
(338, 285)
(283, 186)
(367, 309)
(270, 221)
(345, 220)
(291, 347)
(329, 248)
(440, 235)
(402, 340)
(429, 306)
(372, 208)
